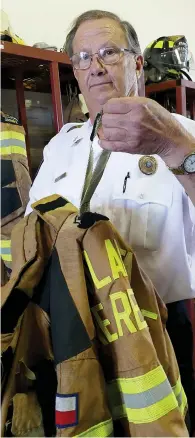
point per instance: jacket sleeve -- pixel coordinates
(142, 378)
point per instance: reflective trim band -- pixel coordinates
(104, 429)
(9, 135)
(136, 385)
(177, 391)
(180, 396)
(149, 414)
(13, 150)
(146, 398)
(12, 142)
(184, 404)
(8, 142)
(5, 250)
(149, 314)
(6, 257)
(142, 399)
(5, 243)
(159, 45)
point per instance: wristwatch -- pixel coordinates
(187, 167)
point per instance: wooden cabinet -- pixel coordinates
(175, 95)
(43, 71)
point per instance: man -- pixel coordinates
(152, 212)
(141, 196)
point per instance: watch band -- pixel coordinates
(178, 171)
(181, 169)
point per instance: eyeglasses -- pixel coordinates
(108, 55)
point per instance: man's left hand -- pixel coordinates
(138, 125)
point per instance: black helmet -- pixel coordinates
(166, 58)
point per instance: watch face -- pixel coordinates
(189, 163)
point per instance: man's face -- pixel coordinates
(101, 82)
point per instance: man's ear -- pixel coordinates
(139, 65)
(140, 75)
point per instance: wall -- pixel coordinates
(49, 20)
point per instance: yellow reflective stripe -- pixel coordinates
(136, 385)
(180, 396)
(5, 243)
(171, 43)
(149, 314)
(13, 150)
(183, 406)
(177, 388)
(148, 414)
(103, 429)
(149, 45)
(6, 257)
(10, 135)
(5, 250)
(159, 45)
(142, 399)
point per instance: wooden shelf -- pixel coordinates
(18, 54)
(46, 71)
(34, 65)
(184, 94)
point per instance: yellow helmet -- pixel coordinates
(6, 32)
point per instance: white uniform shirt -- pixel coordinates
(154, 215)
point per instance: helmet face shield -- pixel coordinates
(180, 55)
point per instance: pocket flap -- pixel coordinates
(146, 190)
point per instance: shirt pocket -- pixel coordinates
(147, 202)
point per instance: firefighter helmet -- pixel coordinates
(166, 58)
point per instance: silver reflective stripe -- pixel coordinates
(12, 141)
(5, 250)
(147, 398)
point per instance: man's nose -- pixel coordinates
(97, 67)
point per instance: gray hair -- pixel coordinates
(95, 14)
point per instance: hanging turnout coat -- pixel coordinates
(85, 350)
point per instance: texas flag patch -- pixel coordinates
(66, 410)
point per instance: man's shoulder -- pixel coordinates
(67, 135)
(68, 127)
